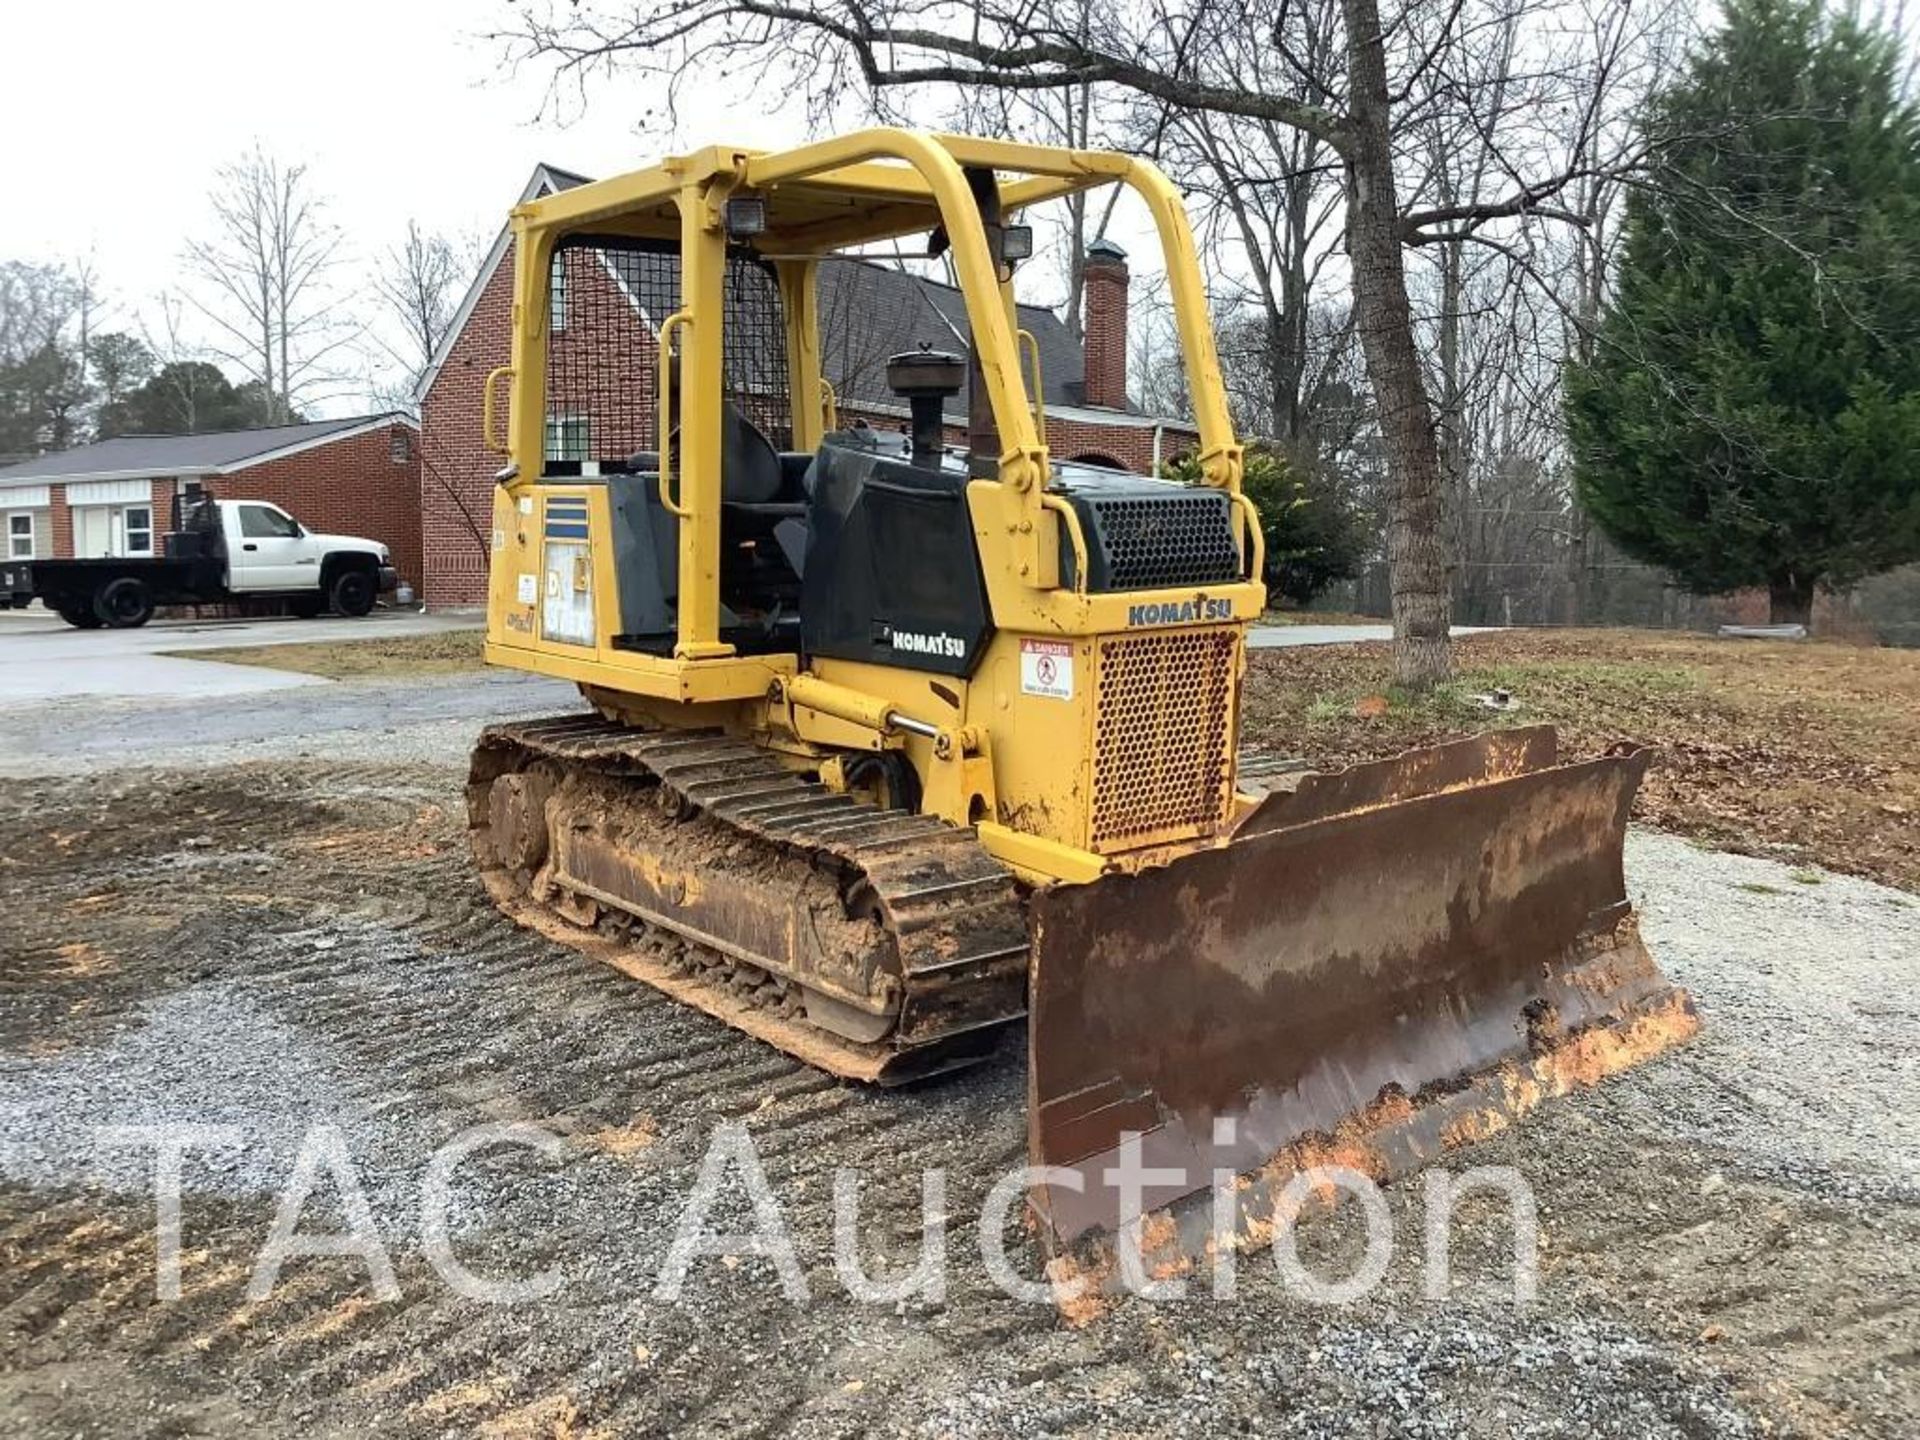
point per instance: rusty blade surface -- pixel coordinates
(1384, 962)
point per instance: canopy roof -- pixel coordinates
(829, 195)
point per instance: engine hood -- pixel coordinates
(350, 542)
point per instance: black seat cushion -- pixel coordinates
(750, 471)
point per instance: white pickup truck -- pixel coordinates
(224, 551)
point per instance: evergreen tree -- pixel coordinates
(120, 365)
(1751, 414)
(41, 396)
(1315, 532)
(192, 397)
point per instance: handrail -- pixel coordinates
(829, 406)
(487, 437)
(672, 323)
(1075, 537)
(1029, 346)
(1256, 537)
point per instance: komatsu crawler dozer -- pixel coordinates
(903, 731)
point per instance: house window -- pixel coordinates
(20, 536)
(557, 294)
(399, 446)
(138, 523)
(567, 437)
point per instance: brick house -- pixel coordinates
(601, 392)
(356, 476)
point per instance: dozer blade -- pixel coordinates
(1384, 963)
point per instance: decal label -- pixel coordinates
(499, 539)
(529, 590)
(1046, 668)
(1179, 612)
(916, 642)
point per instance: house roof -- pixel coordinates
(545, 180)
(218, 452)
(867, 312)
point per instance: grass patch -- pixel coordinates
(447, 653)
(1754, 887)
(1806, 877)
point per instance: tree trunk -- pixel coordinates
(1450, 433)
(1416, 551)
(1579, 596)
(1790, 601)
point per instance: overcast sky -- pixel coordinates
(117, 113)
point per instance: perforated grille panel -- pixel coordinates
(1163, 728)
(1153, 543)
(609, 299)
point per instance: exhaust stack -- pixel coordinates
(926, 380)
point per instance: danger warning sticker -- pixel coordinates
(1046, 668)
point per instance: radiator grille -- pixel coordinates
(1163, 729)
(1166, 540)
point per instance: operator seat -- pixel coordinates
(759, 500)
(750, 470)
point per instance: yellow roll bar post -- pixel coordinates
(703, 263)
(812, 397)
(526, 414)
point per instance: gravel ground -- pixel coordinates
(1730, 1243)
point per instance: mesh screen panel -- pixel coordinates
(1167, 540)
(610, 297)
(1162, 727)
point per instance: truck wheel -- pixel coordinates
(353, 593)
(125, 604)
(78, 613)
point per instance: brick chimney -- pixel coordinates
(1106, 324)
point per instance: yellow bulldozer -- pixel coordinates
(900, 736)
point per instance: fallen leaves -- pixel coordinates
(1809, 753)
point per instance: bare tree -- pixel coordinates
(192, 387)
(419, 284)
(1075, 117)
(43, 389)
(265, 269)
(1268, 202)
(37, 305)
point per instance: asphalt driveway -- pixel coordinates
(43, 658)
